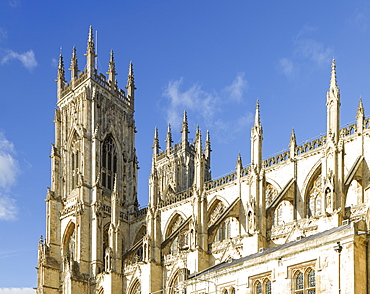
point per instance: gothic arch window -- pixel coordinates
(175, 223)
(283, 213)
(140, 234)
(305, 282)
(181, 242)
(174, 284)
(229, 228)
(108, 162)
(354, 193)
(75, 161)
(262, 286)
(136, 288)
(69, 243)
(215, 212)
(270, 194)
(105, 242)
(315, 197)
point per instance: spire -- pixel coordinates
(360, 117)
(169, 139)
(256, 140)
(292, 144)
(184, 130)
(90, 53)
(130, 82)
(74, 65)
(333, 106)
(155, 143)
(112, 71)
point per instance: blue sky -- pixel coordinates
(213, 58)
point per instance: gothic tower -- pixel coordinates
(93, 195)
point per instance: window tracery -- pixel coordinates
(175, 224)
(136, 288)
(109, 163)
(283, 213)
(217, 210)
(315, 197)
(304, 279)
(74, 152)
(229, 228)
(270, 194)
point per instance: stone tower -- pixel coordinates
(93, 194)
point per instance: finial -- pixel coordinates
(333, 77)
(90, 41)
(360, 115)
(292, 136)
(257, 115)
(239, 163)
(156, 142)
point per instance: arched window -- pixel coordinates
(216, 211)
(74, 164)
(175, 283)
(229, 228)
(270, 194)
(105, 242)
(315, 197)
(305, 283)
(262, 286)
(136, 288)
(109, 162)
(283, 213)
(258, 288)
(299, 283)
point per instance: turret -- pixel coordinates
(74, 67)
(333, 106)
(112, 72)
(90, 54)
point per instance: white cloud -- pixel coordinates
(205, 107)
(27, 59)
(9, 171)
(17, 291)
(286, 66)
(307, 53)
(237, 87)
(8, 209)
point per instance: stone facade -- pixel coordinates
(294, 223)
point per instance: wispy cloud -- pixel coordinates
(206, 106)
(3, 34)
(307, 52)
(27, 58)
(14, 3)
(17, 291)
(9, 171)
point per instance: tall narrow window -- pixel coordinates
(305, 283)
(258, 288)
(315, 195)
(311, 281)
(109, 162)
(299, 283)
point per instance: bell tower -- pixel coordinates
(94, 180)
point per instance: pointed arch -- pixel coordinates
(109, 161)
(215, 210)
(135, 287)
(69, 241)
(174, 221)
(313, 191)
(140, 233)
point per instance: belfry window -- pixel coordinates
(109, 163)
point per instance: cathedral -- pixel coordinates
(295, 223)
